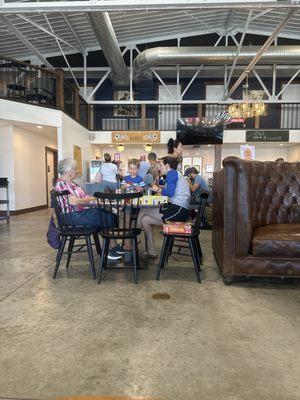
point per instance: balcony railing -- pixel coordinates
(28, 83)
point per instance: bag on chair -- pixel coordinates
(53, 237)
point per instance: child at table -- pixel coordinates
(133, 179)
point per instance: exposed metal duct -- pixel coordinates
(162, 56)
(106, 37)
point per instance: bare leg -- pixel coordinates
(148, 221)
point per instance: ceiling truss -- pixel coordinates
(54, 28)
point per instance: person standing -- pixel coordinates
(175, 148)
(109, 172)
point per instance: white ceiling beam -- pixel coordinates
(33, 23)
(129, 5)
(66, 19)
(26, 42)
(261, 83)
(63, 54)
(261, 51)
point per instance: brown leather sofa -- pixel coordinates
(256, 219)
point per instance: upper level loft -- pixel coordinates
(106, 107)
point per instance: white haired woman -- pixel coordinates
(81, 216)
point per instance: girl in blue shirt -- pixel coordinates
(177, 209)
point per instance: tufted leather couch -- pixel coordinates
(256, 218)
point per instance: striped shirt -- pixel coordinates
(75, 190)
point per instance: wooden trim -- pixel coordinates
(60, 89)
(25, 210)
(76, 104)
(55, 154)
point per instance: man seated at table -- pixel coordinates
(79, 199)
(198, 185)
(133, 180)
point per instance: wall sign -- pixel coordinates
(267, 135)
(78, 158)
(135, 137)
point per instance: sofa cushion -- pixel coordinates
(276, 240)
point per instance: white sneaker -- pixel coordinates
(113, 255)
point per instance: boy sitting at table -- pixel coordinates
(133, 180)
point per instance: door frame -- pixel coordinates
(55, 156)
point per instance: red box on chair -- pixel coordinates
(183, 228)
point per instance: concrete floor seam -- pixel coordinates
(23, 284)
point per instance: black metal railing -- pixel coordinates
(24, 82)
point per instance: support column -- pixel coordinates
(256, 122)
(218, 157)
(200, 110)
(89, 116)
(76, 104)
(143, 116)
(60, 89)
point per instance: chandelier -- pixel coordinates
(253, 105)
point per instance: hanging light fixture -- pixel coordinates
(247, 109)
(120, 147)
(148, 147)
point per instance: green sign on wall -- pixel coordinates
(267, 135)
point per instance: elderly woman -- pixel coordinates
(81, 216)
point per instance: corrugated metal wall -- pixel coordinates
(290, 116)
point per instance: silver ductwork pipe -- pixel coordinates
(162, 56)
(106, 37)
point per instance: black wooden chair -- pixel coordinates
(191, 239)
(70, 232)
(125, 209)
(4, 185)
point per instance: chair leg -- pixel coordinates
(97, 243)
(199, 248)
(169, 250)
(195, 259)
(199, 261)
(70, 250)
(137, 254)
(163, 256)
(59, 255)
(102, 260)
(135, 261)
(91, 256)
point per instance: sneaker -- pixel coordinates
(112, 255)
(119, 249)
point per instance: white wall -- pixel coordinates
(7, 163)
(294, 153)
(29, 113)
(30, 167)
(262, 153)
(70, 134)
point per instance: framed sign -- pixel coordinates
(247, 152)
(135, 137)
(124, 110)
(78, 158)
(267, 135)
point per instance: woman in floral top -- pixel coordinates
(81, 216)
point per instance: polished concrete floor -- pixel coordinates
(72, 337)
